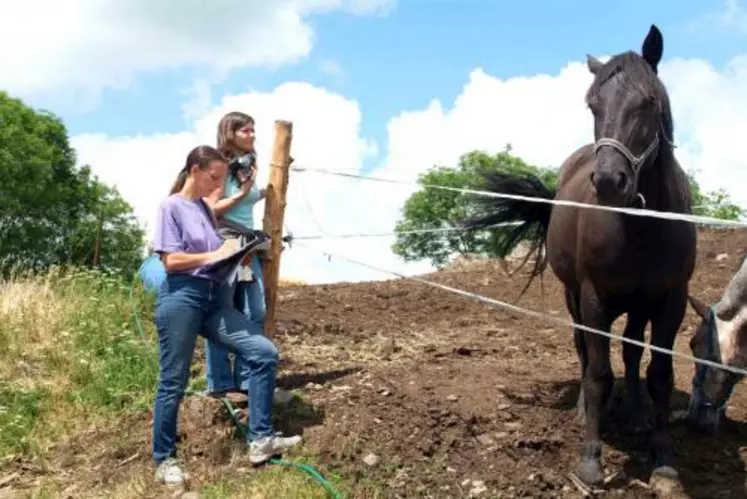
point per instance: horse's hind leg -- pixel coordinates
(666, 319)
(573, 306)
(597, 383)
(583, 359)
(636, 419)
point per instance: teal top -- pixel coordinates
(242, 212)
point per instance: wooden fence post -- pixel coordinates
(272, 223)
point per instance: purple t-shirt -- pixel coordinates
(183, 226)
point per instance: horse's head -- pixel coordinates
(631, 112)
(717, 339)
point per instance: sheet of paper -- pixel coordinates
(228, 267)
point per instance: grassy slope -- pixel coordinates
(76, 373)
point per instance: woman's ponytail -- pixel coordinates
(178, 185)
(200, 156)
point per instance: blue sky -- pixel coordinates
(424, 50)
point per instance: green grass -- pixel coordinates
(74, 362)
(276, 481)
(70, 345)
(19, 411)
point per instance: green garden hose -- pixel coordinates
(313, 472)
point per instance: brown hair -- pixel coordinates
(201, 156)
(227, 127)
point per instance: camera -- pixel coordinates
(242, 164)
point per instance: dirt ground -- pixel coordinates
(436, 395)
(453, 395)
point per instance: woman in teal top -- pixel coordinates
(233, 203)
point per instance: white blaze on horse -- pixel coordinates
(721, 337)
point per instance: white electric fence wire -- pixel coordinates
(514, 308)
(666, 215)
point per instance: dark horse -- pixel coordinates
(609, 262)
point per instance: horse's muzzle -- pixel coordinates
(612, 186)
(701, 416)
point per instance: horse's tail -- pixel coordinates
(532, 218)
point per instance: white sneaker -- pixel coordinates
(170, 472)
(264, 449)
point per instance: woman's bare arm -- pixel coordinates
(176, 262)
(221, 206)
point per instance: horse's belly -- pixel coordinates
(617, 259)
(652, 262)
(562, 251)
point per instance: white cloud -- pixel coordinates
(711, 117)
(734, 16)
(542, 116)
(199, 99)
(731, 17)
(76, 48)
(356, 7)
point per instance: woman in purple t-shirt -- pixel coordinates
(193, 301)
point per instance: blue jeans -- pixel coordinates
(249, 299)
(187, 306)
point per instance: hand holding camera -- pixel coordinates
(243, 169)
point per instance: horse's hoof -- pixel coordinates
(665, 483)
(590, 472)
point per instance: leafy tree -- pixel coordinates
(717, 204)
(439, 209)
(50, 208)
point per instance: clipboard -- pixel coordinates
(227, 268)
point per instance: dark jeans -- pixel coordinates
(249, 299)
(187, 306)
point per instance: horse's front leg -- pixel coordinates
(665, 323)
(597, 384)
(573, 305)
(636, 418)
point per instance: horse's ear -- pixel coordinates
(700, 308)
(653, 47)
(593, 64)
